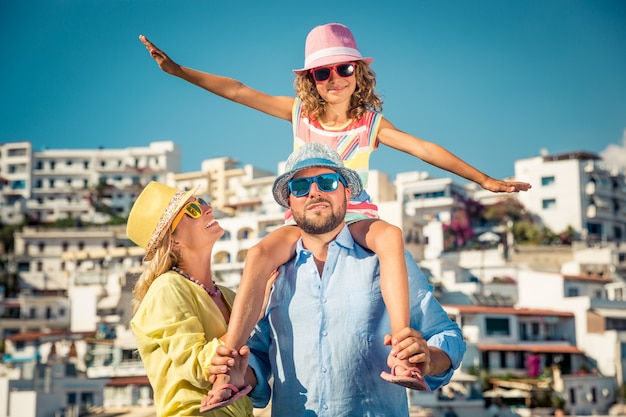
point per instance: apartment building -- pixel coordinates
(84, 185)
(577, 190)
(15, 180)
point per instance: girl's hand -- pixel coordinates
(163, 61)
(498, 186)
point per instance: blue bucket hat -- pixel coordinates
(314, 155)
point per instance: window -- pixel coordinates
(17, 152)
(534, 330)
(546, 181)
(548, 203)
(572, 292)
(594, 228)
(497, 326)
(433, 194)
(592, 396)
(18, 185)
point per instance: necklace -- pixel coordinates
(192, 279)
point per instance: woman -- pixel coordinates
(179, 311)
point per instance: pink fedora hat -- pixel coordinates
(329, 44)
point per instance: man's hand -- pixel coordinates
(410, 345)
(231, 369)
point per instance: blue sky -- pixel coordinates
(490, 80)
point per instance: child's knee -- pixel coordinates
(258, 251)
(390, 235)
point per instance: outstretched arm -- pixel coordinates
(229, 88)
(441, 158)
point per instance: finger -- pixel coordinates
(244, 351)
(222, 361)
(420, 358)
(406, 350)
(217, 370)
(406, 333)
(145, 41)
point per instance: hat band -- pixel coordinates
(312, 162)
(338, 50)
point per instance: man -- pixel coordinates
(322, 341)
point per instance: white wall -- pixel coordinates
(83, 308)
(539, 289)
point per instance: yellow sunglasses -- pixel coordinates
(192, 209)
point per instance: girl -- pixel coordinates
(336, 104)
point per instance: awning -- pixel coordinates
(505, 393)
(128, 380)
(614, 313)
(534, 348)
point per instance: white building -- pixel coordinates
(15, 180)
(84, 185)
(577, 190)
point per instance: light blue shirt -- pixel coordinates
(322, 338)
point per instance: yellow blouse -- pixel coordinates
(177, 327)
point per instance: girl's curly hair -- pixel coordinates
(363, 99)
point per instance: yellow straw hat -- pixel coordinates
(152, 215)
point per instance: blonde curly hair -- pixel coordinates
(363, 99)
(164, 259)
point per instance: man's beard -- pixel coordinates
(316, 224)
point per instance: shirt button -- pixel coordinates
(324, 333)
(323, 300)
(324, 370)
(325, 406)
